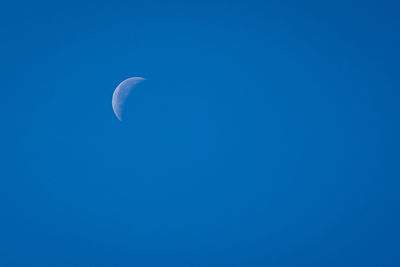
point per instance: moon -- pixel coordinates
(122, 92)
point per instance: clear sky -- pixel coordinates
(266, 133)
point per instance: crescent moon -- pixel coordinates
(121, 93)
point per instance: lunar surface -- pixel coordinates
(122, 92)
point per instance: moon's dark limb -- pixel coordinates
(121, 93)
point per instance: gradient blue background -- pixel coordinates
(266, 134)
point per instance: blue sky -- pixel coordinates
(266, 133)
